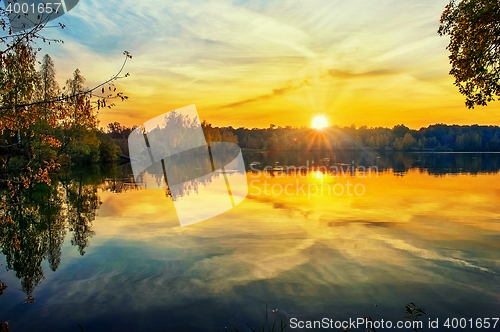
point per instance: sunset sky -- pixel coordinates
(253, 63)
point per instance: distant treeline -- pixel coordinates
(117, 135)
(438, 137)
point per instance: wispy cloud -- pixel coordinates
(275, 92)
(287, 55)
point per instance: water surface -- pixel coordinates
(98, 252)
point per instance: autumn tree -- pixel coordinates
(212, 134)
(228, 136)
(80, 111)
(49, 90)
(474, 30)
(38, 122)
(19, 83)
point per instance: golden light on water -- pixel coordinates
(318, 174)
(319, 122)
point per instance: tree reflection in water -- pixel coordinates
(35, 218)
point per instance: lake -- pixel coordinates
(96, 253)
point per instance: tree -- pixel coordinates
(28, 31)
(272, 144)
(474, 30)
(35, 119)
(228, 136)
(212, 134)
(49, 90)
(116, 131)
(19, 82)
(408, 142)
(79, 108)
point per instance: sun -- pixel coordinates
(319, 122)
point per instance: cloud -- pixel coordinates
(346, 74)
(304, 57)
(275, 92)
(431, 255)
(290, 86)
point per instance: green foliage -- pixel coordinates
(474, 27)
(108, 151)
(118, 134)
(42, 126)
(39, 128)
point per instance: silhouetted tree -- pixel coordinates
(474, 30)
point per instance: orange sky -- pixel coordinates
(253, 63)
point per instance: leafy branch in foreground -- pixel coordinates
(474, 30)
(18, 32)
(89, 93)
(42, 126)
